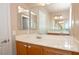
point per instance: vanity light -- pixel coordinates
(33, 13)
(25, 16)
(56, 17)
(61, 17)
(20, 9)
(48, 3)
(41, 4)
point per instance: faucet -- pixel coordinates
(38, 37)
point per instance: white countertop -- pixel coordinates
(64, 32)
(53, 41)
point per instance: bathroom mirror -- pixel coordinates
(27, 19)
(60, 21)
(52, 18)
(56, 18)
(23, 18)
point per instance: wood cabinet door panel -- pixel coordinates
(21, 48)
(53, 51)
(34, 49)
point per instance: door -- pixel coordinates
(5, 29)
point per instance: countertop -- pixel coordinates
(53, 41)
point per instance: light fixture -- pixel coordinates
(43, 4)
(20, 9)
(33, 13)
(58, 17)
(61, 17)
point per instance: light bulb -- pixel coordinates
(55, 17)
(61, 17)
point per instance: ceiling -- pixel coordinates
(52, 7)
(56, 7)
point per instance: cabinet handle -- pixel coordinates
(25, 45)
(29, 46)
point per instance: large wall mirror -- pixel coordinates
(61, 18)
(45, 18)
(27, 19)
(56, 17)
(60, 21)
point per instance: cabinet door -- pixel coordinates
(53, 51)
(34, 50)
(21, 48)
(75, 53)
(48, 51)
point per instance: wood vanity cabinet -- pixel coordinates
(33, 49)
(27, 49)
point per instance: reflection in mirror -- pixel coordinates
(60, 21)
(33, 21)
(45, 18)
(55, 18)
(23, 18)
(25, 22)
(27, 19)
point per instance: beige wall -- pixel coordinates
(75, 20)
